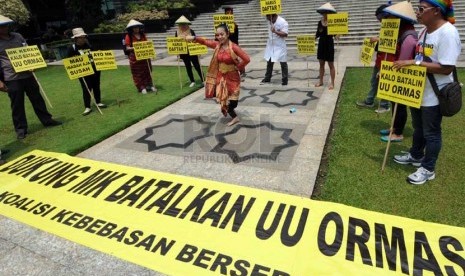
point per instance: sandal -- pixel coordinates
(394, 138)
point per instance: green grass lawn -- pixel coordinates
(351, 176)
(355, 154)
(125, 107)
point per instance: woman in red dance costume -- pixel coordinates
(223, 78)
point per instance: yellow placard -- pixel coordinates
(197, 49)
(338, 23)
(78, 66)
(176, 45)
(388, 35)
(270, 7)
(26, 58)
(404, 86)
(104, 60)
(182, 225)
(224, 18)
(144, 50)
(367, 51)
(306, 44)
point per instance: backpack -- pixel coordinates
(126, 52)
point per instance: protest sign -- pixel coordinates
(404, 86)
(183, 225)
(25, 58)
(104, 60)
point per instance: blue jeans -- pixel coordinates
(427, 135)
(370, 99)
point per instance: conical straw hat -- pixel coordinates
(182, 20)
(133, 23)
(402, 10)
(326, 8)
(5, 20)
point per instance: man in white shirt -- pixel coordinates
(276, 49)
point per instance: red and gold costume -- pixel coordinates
(140, 69)
(223, 78)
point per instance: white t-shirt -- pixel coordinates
(441, 46)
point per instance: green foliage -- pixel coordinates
(159, 5)
(15, 10)
(125, 107)
(119, 24)
(85, 13)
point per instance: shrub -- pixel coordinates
(119, 24)
(15, 10)
(159, 5)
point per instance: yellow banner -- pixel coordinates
(270, 7)
(197, 49)
(388, 35)
(78, 67)
(306, 44)
(144, 50)
(25, 58)
(338, 23)
(176, 45)
(104, 60)
(404, 86)
(224, 18)
(367, 51)
(188, 226)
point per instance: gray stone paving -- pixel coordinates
(190, 138)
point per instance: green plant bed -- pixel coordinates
(125, 107)
(352, 174)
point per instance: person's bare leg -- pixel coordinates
(332, 72)
(322, 73)
(234, 121)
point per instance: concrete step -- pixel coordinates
(302, 19)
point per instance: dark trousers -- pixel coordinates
(188, 62)
(16, 91)
(401, 118)
(427, 135)
(232, 105)
(93, 83)
(269, 70)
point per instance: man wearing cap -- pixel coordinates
(276, 49)
(18, 84)
(438, 50)
(369, 101)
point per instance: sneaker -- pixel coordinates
(364, 104)
(192, 84)
(407, 159)
(154, 89)
(394, 138)
(420, 176)
(144, 91)
(102, 105)
(87, 111)
(382, 110)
